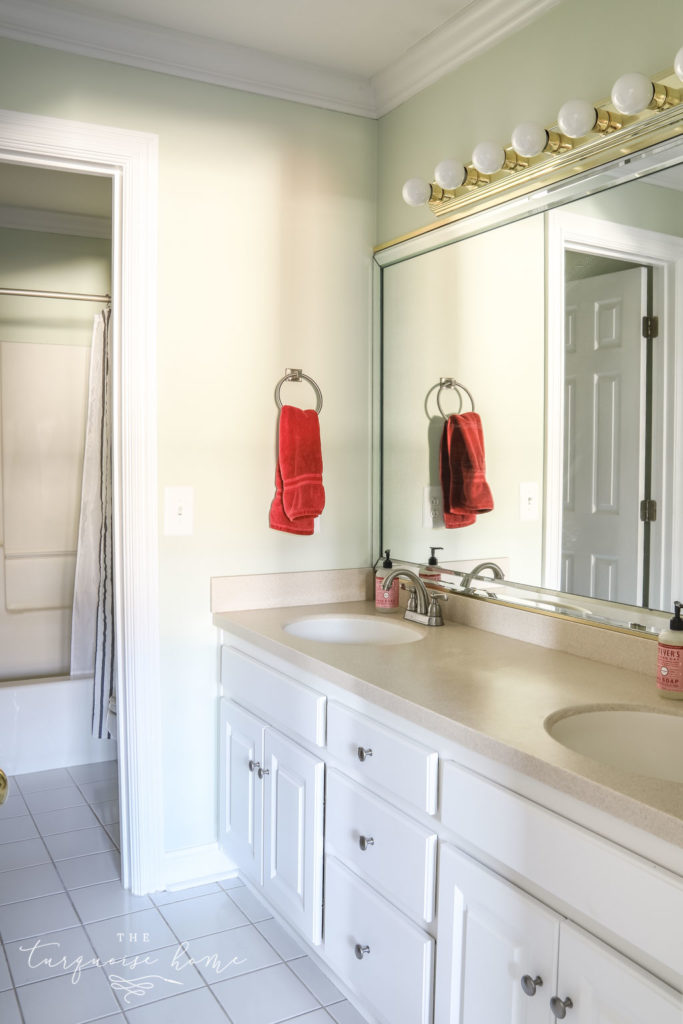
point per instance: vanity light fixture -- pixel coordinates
(540, 155)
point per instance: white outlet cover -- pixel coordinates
(528, 502)
(178, 511)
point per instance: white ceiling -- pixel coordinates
(360, 56)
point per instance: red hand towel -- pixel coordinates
(463, 471)
(299, 493)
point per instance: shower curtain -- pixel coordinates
(93, 626)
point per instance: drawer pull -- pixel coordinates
(361, 951)
(253, 765)
(560, 1006)
(263, 771)
(364, 752)
(365, 841)
(529, 984)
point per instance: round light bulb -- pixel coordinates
(577, 118)
(417, 192)
(632, 93)
(678, 64)
(488, 157)
(449, 174)
(529, 138)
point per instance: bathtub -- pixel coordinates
(45, 723)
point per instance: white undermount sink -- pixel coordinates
(353, 629)
(635, 739)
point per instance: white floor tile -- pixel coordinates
(189, 1006)
(250, 904)
(53, 799)
(34, 782)
(100, 792)
(14, 805)
(96, 867)
(345, 1013)
(108, 899)
(160, 974)
(79, 843)
(315, 1017)
(162, 898)
(14, 829)
(94, 772)
(9, 1010)
(23, 854)
(231, 883)
(114, 832)
(53, 955)
(204, 915)
(66, 819)
(314, 979)
(280, 939)
(27, 883)
(5, 980)
(227, 954)
(131, 934)
(264, 997)
(36, 917)
(107, 811)
(58, 1001)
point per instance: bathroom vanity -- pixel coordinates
(403, 807)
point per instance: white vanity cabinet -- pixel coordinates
(504, 956)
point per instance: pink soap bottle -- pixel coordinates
(386, 602)
(670, 657)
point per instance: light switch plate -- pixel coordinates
(178, 511)
(528, 502)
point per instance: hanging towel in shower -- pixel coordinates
(299, 493)
(462, 467)
(92, 630)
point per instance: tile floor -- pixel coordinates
(76, 947)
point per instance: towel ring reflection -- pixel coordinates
(451, 382)
(296, 376)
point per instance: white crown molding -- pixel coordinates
(479, 27)
(23, 218)
(154, 48)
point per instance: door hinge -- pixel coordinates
(648, 510)
(650, 327)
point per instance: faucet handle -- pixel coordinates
(412, 599)
(434, 613)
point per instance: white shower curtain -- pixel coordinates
(92, 632)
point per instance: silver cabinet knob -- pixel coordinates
(560, 1006)
(263, 771)
(253, 765)
(365, 841)
(364, 752)
(529, 984)
(361, 951)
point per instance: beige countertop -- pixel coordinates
(489, 693)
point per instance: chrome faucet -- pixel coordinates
(423, 605)
(467, 587)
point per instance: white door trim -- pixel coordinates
(130, 160)
(619, 241)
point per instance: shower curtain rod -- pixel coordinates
(33, 293)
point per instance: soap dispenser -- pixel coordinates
(670, 657)
(386, 602)
(430, 572)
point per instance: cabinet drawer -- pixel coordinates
(384, 958)
(628, 895)
(281, 700)
(382, 844)
(379, 756)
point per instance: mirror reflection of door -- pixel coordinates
(607, 469)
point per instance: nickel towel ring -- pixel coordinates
(297, 376)
(451, 382)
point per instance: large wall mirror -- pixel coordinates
(561, 315)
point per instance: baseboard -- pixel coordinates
(197, 865)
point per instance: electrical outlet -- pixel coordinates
(178, 511)
(432, 508)
(528, 502)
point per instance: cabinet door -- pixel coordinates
(241, 813)
(293, 794)
(606, 988)
(491, 935)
